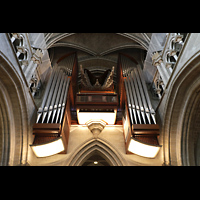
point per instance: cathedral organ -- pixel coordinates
(96, 98)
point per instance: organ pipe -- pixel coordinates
(139, 104)
(55, 95)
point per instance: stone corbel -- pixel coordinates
(15, 36)
(37, 56)
(21, 49)
(156, 59)
(172, 52)
(96, 126)
(178, 38)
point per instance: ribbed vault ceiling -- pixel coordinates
(98, 49)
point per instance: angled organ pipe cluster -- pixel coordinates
(52, 110)
(139, 104)
(140, 110)
(55, 96)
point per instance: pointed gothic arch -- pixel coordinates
(181, 120)
(100, 146)
(14, 125)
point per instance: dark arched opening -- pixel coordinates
(96, 149)
(96, 158)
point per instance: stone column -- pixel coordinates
(24, 64)
(158, 62)
(35, 60)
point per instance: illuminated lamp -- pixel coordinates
(142, 149)
(108, 117)
(48, 149)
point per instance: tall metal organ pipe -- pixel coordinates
(139, 104)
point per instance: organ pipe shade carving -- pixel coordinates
(91, 82)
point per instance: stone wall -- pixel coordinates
(177, 101)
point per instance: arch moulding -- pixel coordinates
(101, 146)
(13, 115)
(181, 100)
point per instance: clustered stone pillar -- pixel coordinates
(35, 60)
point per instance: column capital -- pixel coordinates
(16, 35)
(22, 49)
(37, 56)
(171, 52)
(156, 59)
(178, 38)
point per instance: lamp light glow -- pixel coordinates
(48, 149)
(108, 117)
(142, 149)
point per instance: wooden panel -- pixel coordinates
(129, 123)
(47, 126)
(120, 82)
(96, 106)
(152, 140)
(96, 101)
(145, 126)
(43, 139)
(66, 124)
(96, 92)
(46, 129)
(148, 129)
(74, 79)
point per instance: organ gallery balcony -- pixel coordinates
(96, 101)
(96, 106)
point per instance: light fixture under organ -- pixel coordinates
(52, 127)
(49, 148)
(142, 149)
(141, 131)
(108, 117)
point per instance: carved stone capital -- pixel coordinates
(21, 49)
(178, 38)
(171, 52)
(37, 56)
(156, 59)
(16, 35)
